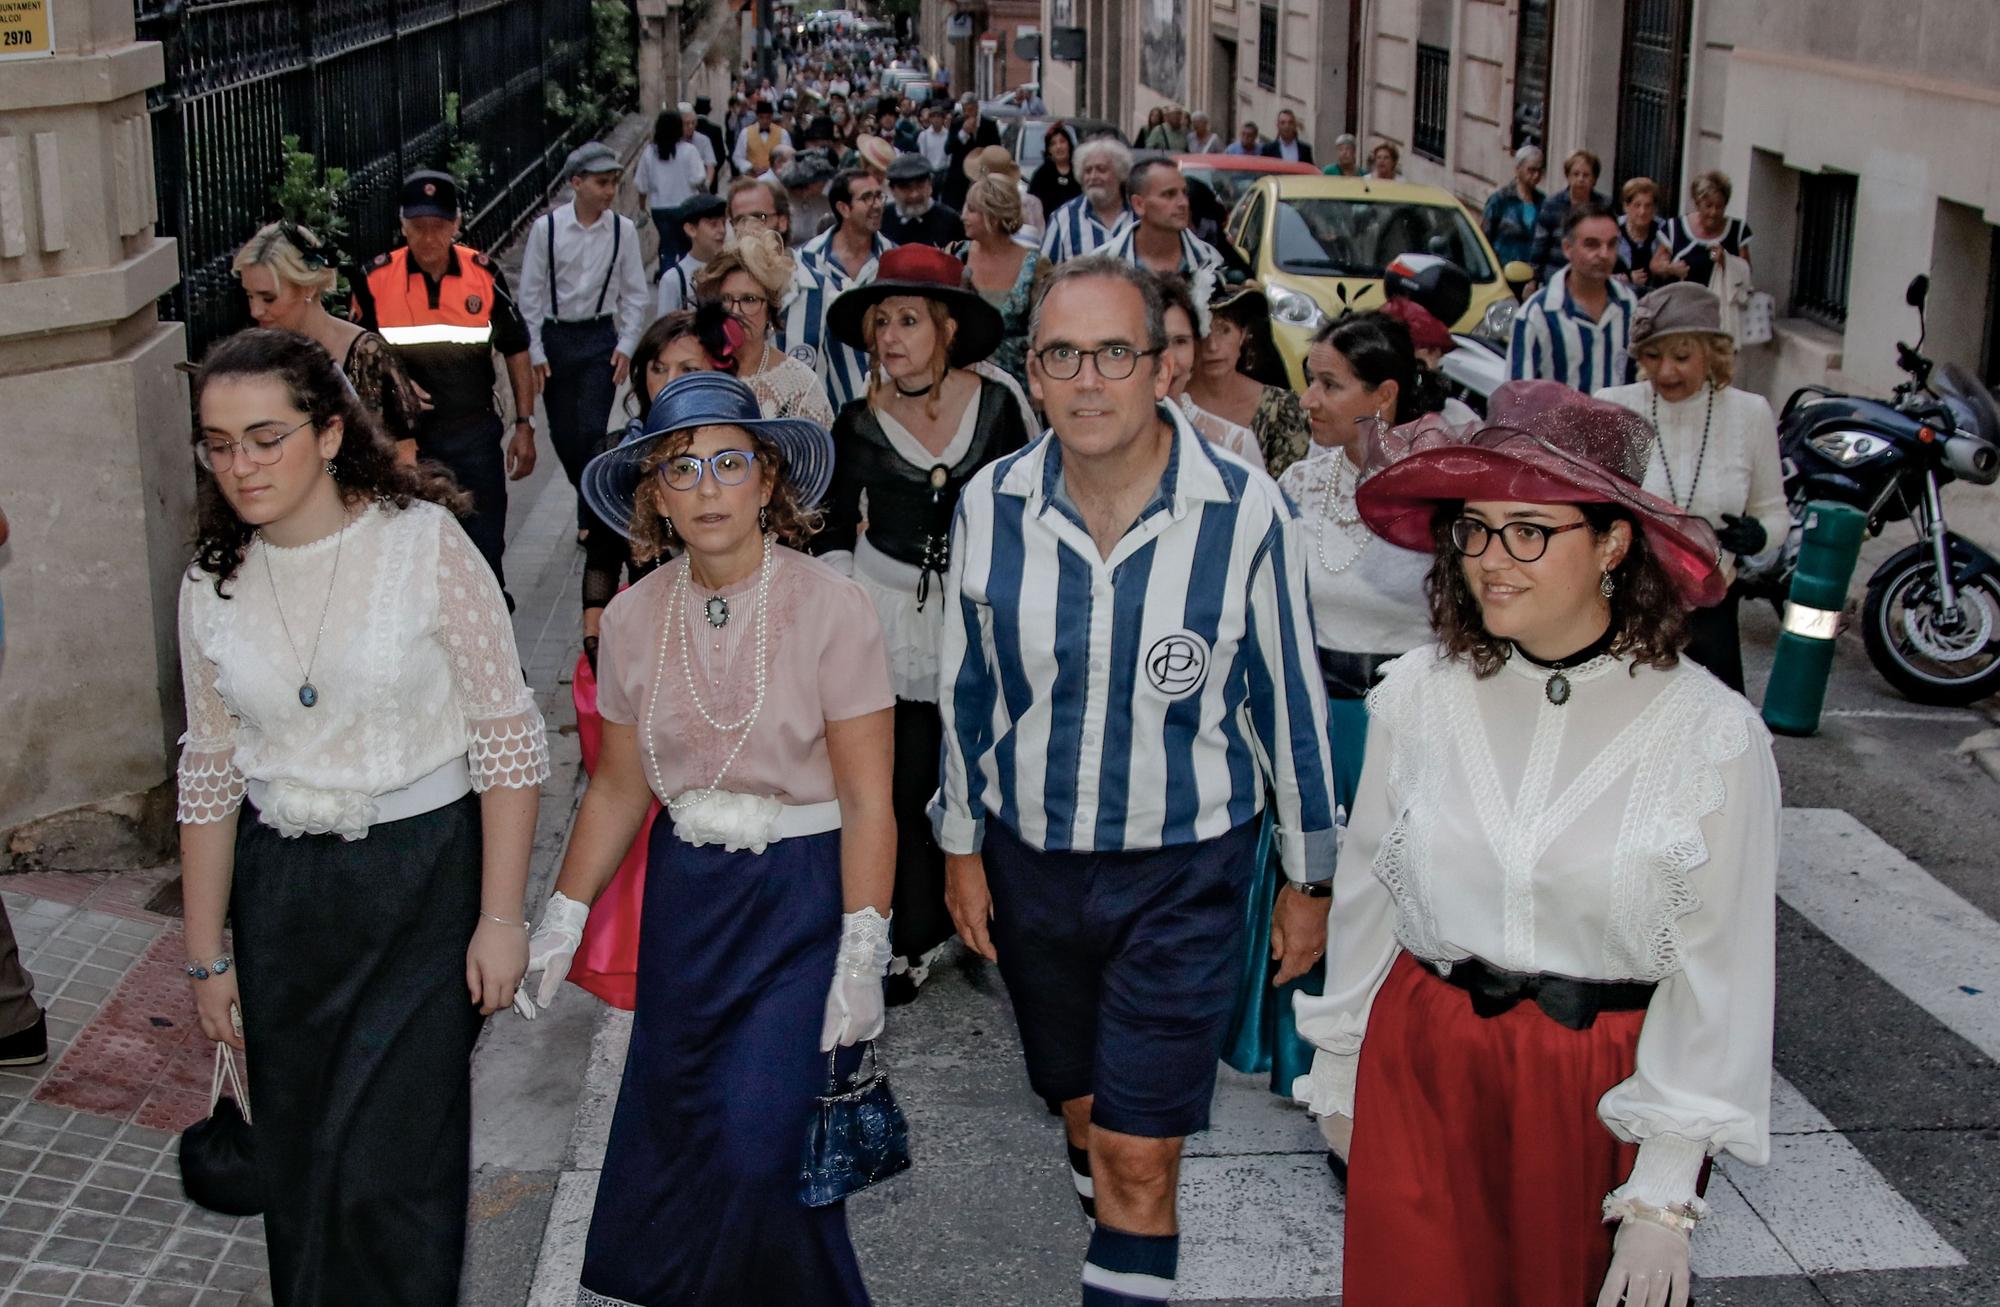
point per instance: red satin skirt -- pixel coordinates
(1479, 1166)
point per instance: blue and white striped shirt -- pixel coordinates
(1196, 253)
(845, 368)
(1075, 231)
(1137, 701)
(801, 324)
(1554, 340)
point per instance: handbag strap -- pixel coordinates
(225, 1064)
(833, 1085)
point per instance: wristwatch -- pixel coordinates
(524, 422)
(1313, 889)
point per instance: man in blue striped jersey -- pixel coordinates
(1092, 218)
(844, 255)
(1157, 239)
(1575, 329)
(1128, 668)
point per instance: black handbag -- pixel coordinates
(858, 1136)
(219, 1155)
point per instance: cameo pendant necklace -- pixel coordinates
(1557, 689)
(308, 693)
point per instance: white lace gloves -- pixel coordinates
(1649, 1266)
(854, 1006)
(550, 951)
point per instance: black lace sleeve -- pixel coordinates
(382, 386)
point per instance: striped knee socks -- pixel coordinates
(1129, 1270)
(1079, 1174)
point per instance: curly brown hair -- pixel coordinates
(365, 466)
(786, 517)
(1647, 612)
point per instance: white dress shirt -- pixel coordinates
(677, 285)
(669, 183)
(1629, 834)
(585, 284)
(934, 143)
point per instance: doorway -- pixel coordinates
(1652, 101)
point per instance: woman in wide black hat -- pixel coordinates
(933, 416)
(743, 687)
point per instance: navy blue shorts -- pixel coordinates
(1122, 968)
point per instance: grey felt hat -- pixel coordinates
(590, 157)
(1682, 308)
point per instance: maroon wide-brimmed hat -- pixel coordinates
(1541, 443)
(931, 273)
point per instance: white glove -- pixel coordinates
(854, 1009)
(1649, 1267)
(550, 951)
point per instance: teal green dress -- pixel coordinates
(1262, 1038)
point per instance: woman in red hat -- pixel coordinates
(933, 416)
(1550, 987)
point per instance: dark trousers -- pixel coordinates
(578, 394)
(17, 988)
(469, 446)
(673, 241)
(1713, 641)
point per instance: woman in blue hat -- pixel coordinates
(744, 684)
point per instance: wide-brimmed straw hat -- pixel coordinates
(990, 158)
(875, 152)
(705, 399)
(1681, 308)
(927, 271)
(1541, 443)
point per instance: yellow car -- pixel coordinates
(1319, 245)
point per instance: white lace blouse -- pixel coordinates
(1367, 594)
(1630, 834)
(417, 669)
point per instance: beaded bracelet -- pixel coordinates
(196, 971)
(1679, 1217)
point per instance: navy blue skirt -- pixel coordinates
(699, 1198)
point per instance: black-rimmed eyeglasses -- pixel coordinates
(1525, 542)
(1113, 362)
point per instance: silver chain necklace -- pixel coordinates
(308, 693)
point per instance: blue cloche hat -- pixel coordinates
(705, 399)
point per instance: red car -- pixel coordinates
(1229, 175)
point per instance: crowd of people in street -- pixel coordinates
(964, 563)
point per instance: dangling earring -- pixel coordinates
(1605, 585)
(329, 467)
(670, 528)
(763, 518)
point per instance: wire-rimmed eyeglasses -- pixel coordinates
(729, 467)
(1525, 542)
(221, 455)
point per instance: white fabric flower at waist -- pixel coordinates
(293, 809)
(746, 821)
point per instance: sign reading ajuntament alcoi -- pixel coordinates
(26, 29)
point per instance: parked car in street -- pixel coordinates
(1024, 137)
(1320, 247)
(1229, 175)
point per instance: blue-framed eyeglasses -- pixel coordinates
(729, 467)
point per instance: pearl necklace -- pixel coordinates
(1329, 518)
(678, 620)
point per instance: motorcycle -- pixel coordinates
(1931, 618)
(1477, 364)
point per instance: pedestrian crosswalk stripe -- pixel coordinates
(1938, 950)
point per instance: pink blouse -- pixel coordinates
(826, 663)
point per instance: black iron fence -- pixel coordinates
(365, 85)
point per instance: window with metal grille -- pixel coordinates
(1990, 369)
(1531, 71)
(1267, 47)
(1433, 101)
(1826, 248)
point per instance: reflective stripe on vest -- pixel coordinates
(436, 334)
(464, 312)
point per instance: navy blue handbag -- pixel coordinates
(858, 1136)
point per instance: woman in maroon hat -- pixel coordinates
(933, 416)
(1549, 998)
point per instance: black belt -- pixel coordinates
(599, 320)
(1351, 675)
(1572, 1003)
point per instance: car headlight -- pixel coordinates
(1294, 309)
(1849, 448)
(1498, 320)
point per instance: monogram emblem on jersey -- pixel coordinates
(473, 303)
(1177, 663)
(805, 354)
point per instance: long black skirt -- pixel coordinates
(699, 1201)
(359, 1029)
(921, 923)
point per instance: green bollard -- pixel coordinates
(1799, 673)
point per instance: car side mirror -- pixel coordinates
(1517, 273)
(1919, 290)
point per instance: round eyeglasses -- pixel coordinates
(1525, 542)
(1113, 362)
(261, 450)
(730, 467)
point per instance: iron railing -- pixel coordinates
(1433, 107)
(1826, 248)
(364, 85)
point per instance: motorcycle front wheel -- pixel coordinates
(1929, 658)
